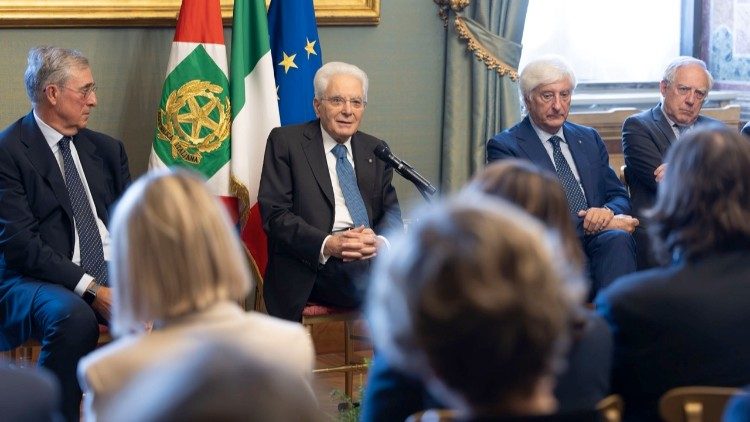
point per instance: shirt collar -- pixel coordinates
(670, 121)
(543, 135)
(329, 142)
(50, 135)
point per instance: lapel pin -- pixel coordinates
(369, 160)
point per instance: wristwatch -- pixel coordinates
(90, 294)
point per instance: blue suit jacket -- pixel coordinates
(36, 217)
(600, 183)
(646, 136)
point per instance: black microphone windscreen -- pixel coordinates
(381, 151)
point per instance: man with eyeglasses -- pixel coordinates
(325, 200)
(58, 180)
(647, 136)
(597, 200)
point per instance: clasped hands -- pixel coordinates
(596, 220)
(351, 245)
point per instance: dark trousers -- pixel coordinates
(611, 254)
(341, 283)
(644, 250)
(68, 329)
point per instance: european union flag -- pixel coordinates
(296, 53)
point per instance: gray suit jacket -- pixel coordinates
(646, 137)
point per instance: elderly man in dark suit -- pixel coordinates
(688, 323)
(57, 183)
(325, 200)
(597, 199)
(647, 136)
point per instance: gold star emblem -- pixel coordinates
(310, 47)
(288, 62)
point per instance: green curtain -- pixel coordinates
(481, 97)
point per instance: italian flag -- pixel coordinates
(254, 113)
(194, 119)
(196, 126)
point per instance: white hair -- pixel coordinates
(327, 71)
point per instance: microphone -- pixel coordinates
(405, 170)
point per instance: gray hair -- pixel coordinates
(682, 61)
(50, 65)
(327, 71)
(174, 251)
(544, 70)
(472, 267)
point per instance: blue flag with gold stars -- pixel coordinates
(296, 57)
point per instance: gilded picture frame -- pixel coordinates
(98, 13)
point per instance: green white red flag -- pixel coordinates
(255, 112)
(194, 118)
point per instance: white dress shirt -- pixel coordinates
(53, 137)
(544, 136)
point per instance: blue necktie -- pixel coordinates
(573, 191)
(348, 184)
(89, 239)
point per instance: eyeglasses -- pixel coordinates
(356, 103)
(548, 96)
(684, 90)
(85, 91)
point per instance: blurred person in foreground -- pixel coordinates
(28, 394)
(219, 382)
(472, 302)
(178, 263)
(688, 323)
(390, 394)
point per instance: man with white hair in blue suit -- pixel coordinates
(597, 199)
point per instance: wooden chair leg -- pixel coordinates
(348, 359)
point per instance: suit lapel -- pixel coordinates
(41, 157)
(93, 168)
(364, 166)
(661, 122)
(532, 146)
(575, 140)
(316, 158)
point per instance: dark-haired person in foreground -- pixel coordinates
(393, 395)
(325, 200)
(688, 323)
(472, 302)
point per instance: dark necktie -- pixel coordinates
(348, 184)
(89, 239)
(573, 191)
(681, 129)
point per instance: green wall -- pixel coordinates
(403, 57)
